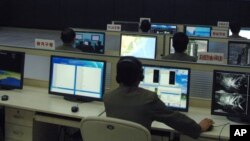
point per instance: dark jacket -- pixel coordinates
(143, 107)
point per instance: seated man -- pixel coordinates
(68, 37)
(235, 29)
(129, 102)
(180, 42)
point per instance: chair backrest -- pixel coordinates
(112, 129)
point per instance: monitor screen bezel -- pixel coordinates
(228, 50)
(188, 88)
(171, 38)
(2, 86)
(213, 94)
(104, 41)
(78, 96)
(186, 26)
(139, 35)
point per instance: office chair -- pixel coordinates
(112, 129)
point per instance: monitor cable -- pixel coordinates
(223, 126)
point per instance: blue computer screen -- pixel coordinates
(93, 42)
(11, 69)
(140, 46)
(170, 83)
(163, 28)
(78, 77)
(198, 31)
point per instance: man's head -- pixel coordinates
(129, 71)
(235, 27)
(180, 42)
(145, 26)
(68, 35)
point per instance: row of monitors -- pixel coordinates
(194, 31)
(144, 46)
(85, 79)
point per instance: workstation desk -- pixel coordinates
(32, 104)
(35, 104)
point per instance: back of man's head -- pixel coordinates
(68, 35)
(180, 42)
(145, 25)
(129, 71)
(235, 27)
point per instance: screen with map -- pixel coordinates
(140, 46)
(11, 69)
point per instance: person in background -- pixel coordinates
(132, 103)
(145, 26)
(68, 37)
(180, 43)
(235, 29)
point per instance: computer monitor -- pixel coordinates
(198, 31)
(128, 26)
(238, 53)
(244, 32)
(77, 78)
(141, 46)
(11, 69)
(195, 46)
(163, 28)
(170, 83)
(230, 95)
(93, 42)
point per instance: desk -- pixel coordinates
(220, 130)
(38, 105)
(198, 114)
(35, 104)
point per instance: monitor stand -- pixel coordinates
(77, 99)
(6, 88)
(239, 119)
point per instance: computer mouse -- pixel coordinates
(4, 97)
(74, 109)
(211, 127)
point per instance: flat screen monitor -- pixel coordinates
(198, 31)
(195, 46)
(93, 42)
(244, 32)
(238, 53)
(230, 95)
(128, 26)
(11, 69)
(141, 46)
(170, 83)
(77, 78)
(163, 28)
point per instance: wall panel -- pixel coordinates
(57, 14)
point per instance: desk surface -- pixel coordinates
(221, 125)
(38, 100)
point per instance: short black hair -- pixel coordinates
(180, 42)
(145, 25)
(235, 27)
(129, 70)
(68, 35)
